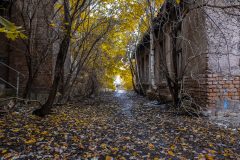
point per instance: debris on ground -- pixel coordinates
(118, 126)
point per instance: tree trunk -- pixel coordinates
(152, 49)
(175, 86)
(59, 67)
(28, 87)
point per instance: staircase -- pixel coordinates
(13, 88)
(8, 89)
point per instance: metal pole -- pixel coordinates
(17, 92)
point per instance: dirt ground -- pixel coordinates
(117, 125)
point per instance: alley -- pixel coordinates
(119, 125)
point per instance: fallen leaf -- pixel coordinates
(109, 158)
(209, 157)
(173, 147)
(151, 146)
(15, 130)
(171, 153)
(4, 151)
(44, 133)
(31, 141)
(103, 146)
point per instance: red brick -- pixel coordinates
(231, 86)
(225, 85)
(236, 82)
(215, 82)
(209, 82)
(209, 75)
(211, 79)
(209, 90)
(229, 82)
(212, 94)
(235, 97)
(221, 82)
(214, 75)
(230, 94)
(236, 78)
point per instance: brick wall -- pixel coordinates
(208, 89)
(196, 87)
(220, 87)
(40, 43)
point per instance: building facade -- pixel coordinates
(198, 50)
(35, 51)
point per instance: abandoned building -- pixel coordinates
(15, 54)
(206, 61)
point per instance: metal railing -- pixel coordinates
(18, 78)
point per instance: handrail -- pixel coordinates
(12, 69)
(18, 74)
(1, 79)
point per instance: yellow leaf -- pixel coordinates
(171, 153)
(44, 133)
(201, 156)
(40, 139)
(31, 141)
(109, 158)
(209, 157)
(173, 147)
(103, 146)
(212, 151)
(22, 36)
(178, 1)
(183, 129)
(115, 150)
(15, 130)
(122, 158)
(4, 151)
(135, 154)
(151, 146)
(52, 25)
(210, 144)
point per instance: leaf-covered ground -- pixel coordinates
(116, 126)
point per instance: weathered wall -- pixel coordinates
(221, 88)
(223, 31)
(194, 44)
(210, 54)
(143, 62)
(4, 47)
(38, 35)
(3, 57)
